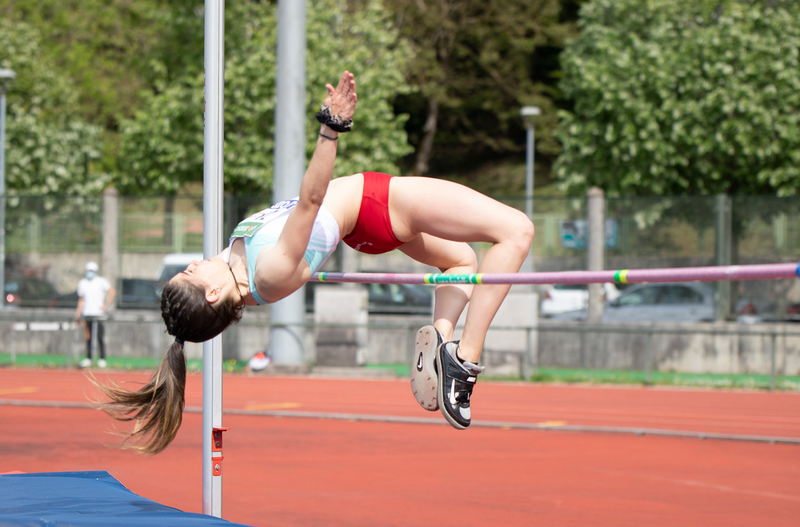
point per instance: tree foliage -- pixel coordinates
(475, 64)
(161, 146)
(683, 97)
(49, 148)
(114, 89)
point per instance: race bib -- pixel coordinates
(251, 225)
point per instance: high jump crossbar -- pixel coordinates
(622, 276)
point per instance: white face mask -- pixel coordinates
(90, 274)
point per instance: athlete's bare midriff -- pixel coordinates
(343, 200)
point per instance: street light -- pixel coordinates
(529, 114)
(6, 76)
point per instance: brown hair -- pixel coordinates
(157, 407)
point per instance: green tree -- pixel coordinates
(683, 97)
(115, 51)
(104, 46)
(162, 146)
(475, 64)
(50, 150)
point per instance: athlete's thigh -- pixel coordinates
(440, 253)
(447, 210)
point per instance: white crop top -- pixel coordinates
(263, 228)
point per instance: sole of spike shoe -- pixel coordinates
(424, 377)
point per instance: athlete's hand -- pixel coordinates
(342, 100)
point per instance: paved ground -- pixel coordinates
(404, 467)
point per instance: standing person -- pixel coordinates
(95, 295)
(274, 252)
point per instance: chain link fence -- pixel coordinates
(50, 238)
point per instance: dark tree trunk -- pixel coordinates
(426, 148)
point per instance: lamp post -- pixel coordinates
(529, 114)
(6, 76)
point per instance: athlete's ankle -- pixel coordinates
(465, 356)
(445, 332)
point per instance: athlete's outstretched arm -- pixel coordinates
(283, 261)
(342, 102)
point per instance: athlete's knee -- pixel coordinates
(470, 259)
(520, 231)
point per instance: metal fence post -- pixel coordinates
(648, 362)
(773, 353)
(596, 244)
(411, 335)
(110, 239)
(723, 252)
(582, 340)
(526, 357)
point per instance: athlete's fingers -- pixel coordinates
(342, 82)
(350, 85)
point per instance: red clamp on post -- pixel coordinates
(216, 450)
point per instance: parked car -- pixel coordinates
(174, 263)
(66, 300)
(26, 291)
(400, 299)
(139, 293)
(754, 311)
(667, 302)
(561, 298)
(387, 299)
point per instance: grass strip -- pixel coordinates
(115, 363)
(696, 380)
(542, 375)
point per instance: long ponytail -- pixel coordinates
(157, 407)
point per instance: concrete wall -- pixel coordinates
(698, 348)
(674, 347)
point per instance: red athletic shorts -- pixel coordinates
(373, 232)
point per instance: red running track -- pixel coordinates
(310, 471)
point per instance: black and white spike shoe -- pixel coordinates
(456, 380)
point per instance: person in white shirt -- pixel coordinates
(95, 295)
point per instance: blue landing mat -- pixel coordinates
(86, 499)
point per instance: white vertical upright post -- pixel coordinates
(2, 194)
(6, 76)
(288, 315)
(212, 238)
(529, 149)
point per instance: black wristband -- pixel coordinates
(334, 122)
(328, 137)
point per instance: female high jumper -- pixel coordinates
(274, 252)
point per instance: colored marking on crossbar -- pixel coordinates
(797, 271)
(436, 278)
(621, 277)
